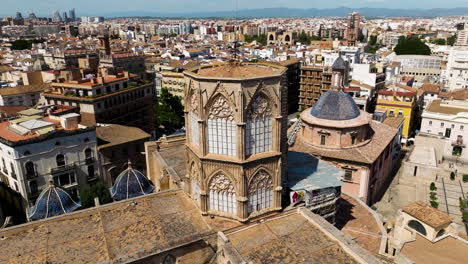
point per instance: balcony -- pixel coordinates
(63, 168)
(458, 143)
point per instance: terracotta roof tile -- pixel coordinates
(427, 214)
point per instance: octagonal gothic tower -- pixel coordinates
(236, 121)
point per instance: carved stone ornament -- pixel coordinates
(259, 109)
(261, 180)
(221, 110)
(221, 183)
(194, 104)
(194, 173)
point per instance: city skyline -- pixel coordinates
(108, 8)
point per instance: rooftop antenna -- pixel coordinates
(236, 23)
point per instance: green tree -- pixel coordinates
(169, 111)
(439, 42)
(98, 190)
(303, 38)
(262, 39)
(451, 41)
(411, 46)
(433, 186)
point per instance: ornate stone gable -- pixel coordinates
(221, 183)
(221, 89)
(220, 109)
(260, 181)
(194, 104)
(259, 109)
(194, 174)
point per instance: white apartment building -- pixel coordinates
(462, 38)
(36, 150)
(456, 73)
(448, 119)
(25, 95)
(369, 74)
(420, 66)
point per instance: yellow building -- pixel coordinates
(174, 83)
(401, 101)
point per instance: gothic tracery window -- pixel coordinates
(260, 192)
(221, 128)
(259, 127)
(222, 194)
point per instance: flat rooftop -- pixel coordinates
(424, 155)
(287, 239)
(306, 172)
(119, 232)
(237, 70)
(448, 107)
(448, 251)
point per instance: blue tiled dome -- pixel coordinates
(53, 201)
(335, 105)
(130, 183)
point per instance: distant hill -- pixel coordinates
(295, 12)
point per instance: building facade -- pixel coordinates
(448, 119)
(335, 130)
(36, 150)
(236, 118)
(401, 102)
(116, 98)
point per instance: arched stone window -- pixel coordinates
(30, 170)
(222, 194)
(222, 136)
(272, 37)
(260, 192)
(193, 121)
(287, 38)
(194, 182)
(259, 128)
(417, 226)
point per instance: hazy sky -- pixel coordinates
(93, 7)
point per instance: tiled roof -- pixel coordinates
(427, 214)
(229, 70)
(335, 105)
(53, 201)
(367, 153)
(129, 184)
(119, 232)
(117, 134)
(24, 89)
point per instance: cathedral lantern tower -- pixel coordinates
(236, 118)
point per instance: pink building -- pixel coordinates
(335, 130)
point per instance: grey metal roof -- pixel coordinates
(35, 124)
(306, 172)
(335, 105)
